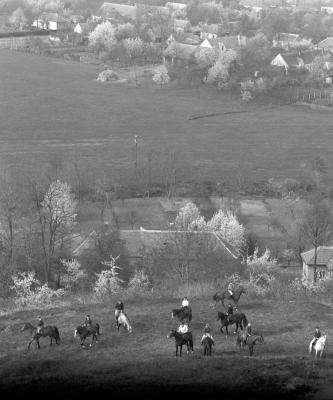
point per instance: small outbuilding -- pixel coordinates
(324, 263)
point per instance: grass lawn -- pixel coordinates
(145, 361)
(50, 105)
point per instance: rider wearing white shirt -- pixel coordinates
(183, 328)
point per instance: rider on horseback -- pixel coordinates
(248, 331)
(40, 325)
(207, 334)
(88, 322)
(119, 308)
(231, 289)
(317, 335)
(183, 328)
(230, 311)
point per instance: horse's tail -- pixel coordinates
(245, 322)
(190, 315)
(97, 329)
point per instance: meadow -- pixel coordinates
(53, 106)
(144, 361)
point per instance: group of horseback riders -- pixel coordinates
(184, 325)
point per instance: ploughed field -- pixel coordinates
(144, 361)
(50, 105)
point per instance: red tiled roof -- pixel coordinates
(324, 255)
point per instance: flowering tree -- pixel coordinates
(108, 282)
(219, 73)
(226, 223)
(73, 273)
(161, 76)
(18, 18)
(134, 49)
(103, 36)
(189, 218)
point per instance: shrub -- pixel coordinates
(30, 292)
(139, 282)
(73, 273)
(108, 283)
(107, 75)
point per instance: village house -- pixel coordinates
(225, 43)
(256, 5)
(327, 9)
(179, 54)
(326, 45)
(52, 22)
(180, 25)
(175, 6)
(117, 11)
(288, 41)
(183, 37)
(324, 264)
(139, 242)
(288, 61)
(210, 31)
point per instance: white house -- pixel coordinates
(327, 9)
(324, 264)
(288, 61)
(225, 43)
(51, 21)
(326, 44)
(175, 6)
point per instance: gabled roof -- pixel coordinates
(186, 38)
(175, 6)
(180, 23)
(85, 26)
(180, 51)
(292, 59)
(125, 10)
(309, 56)
(53, 17)
(148, 8)
(328, 42)
(137, 239)
(286, 37)
(324, 255)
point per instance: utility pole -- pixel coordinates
(136, 150)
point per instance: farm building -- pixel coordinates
(324, 262)
(226, 43)
(289, 41)
(288, 61)
(326, 44)
(175, 6)
(179, 53)
(114, 10)
(183, 37)
(51, 21)
(139, 242)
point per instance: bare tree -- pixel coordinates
(316, 226)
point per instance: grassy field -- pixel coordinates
(144, 360)
(51, 105)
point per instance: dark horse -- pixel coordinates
(250, 341)
(182, 314)
(84, 332)
(207, 346)
(181, 339)
(225, 295)
(51, 331)
(238, 318)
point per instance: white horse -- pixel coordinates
(318, 347)
(124, 321)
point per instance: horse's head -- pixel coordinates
(78, 331)
(24, 327)
(171, 334)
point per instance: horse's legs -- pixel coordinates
(30, 343)
(38, 345)
(51, 340)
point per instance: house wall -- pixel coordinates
(308, 272)
(278, 61)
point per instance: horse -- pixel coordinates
(182, 314)
(84, 332)
(124, 322)
(226, 295)
(207, 344)
(318, 347)
(181, 339)
(51, 331)
(238, 318)
(251, 341)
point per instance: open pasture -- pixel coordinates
(50, 105)
(144, 361)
